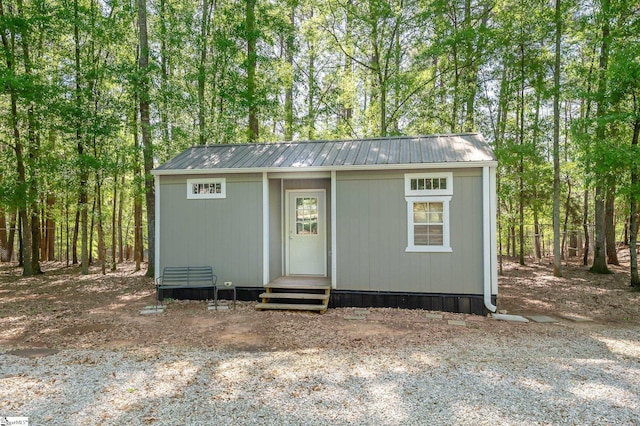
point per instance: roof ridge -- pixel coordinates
(399, 137)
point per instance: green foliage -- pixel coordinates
(378, 67)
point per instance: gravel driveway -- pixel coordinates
(519, 374)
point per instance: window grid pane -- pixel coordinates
(306, 216)
(428, 184)
(428, 223)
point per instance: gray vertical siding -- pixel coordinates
(372, 237)
(275, 229)
(371, 232)
(224, 233)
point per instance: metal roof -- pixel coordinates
(373, 153)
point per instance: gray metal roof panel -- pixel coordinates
(468, 147)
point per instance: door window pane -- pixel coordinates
(306, 215)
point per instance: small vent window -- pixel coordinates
(206, 188)
(428, 184)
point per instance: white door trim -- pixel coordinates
(322, 225)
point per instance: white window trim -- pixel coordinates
(192, 196)
(409, 192)
(446, 241)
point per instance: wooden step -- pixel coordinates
(298, 286)
(303, 296)
(291, 307)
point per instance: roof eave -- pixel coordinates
(445, 165)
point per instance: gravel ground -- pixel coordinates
(517, 375)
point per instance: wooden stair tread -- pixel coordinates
(291, 306)
(306, 296)
(298, 286)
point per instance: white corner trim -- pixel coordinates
(487, 239)
(265, 228)
(334, 227)
(494, 233)
(156, 265)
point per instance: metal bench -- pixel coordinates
(174, 277)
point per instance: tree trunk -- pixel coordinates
(288, 94)
(599, 252)
(585, 228)
(50, 228)
(114, 217)
(557, 264)
(7, 236)
(23, 218)
(536, 231)
(120, 209)
(164, 74)
(252, 134)
(567, 209)
(91, 227)
(610, 227)
(83, 198)
(311, 107)
(633, 212)
(102, 251)
(145, 124)
(204, 23)
(4, 244)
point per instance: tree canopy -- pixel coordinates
(97, 92)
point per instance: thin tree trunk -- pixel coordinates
(91, 228)
(288, 94)
(138, 249)
(521, 161)
(204, 23)
(101, 243)
(145, 124)
(120, 210)
(557, 264)
(76, 229)
(114, 218)
(83, 198)
(567, 208)
(536, 230)
(585, 228)
(23, 217)
(252, 134)
(610, 227)
(633, 211)
(50, 228)
(164, 74)
(311, 107)
(599, 252)
(4, 244)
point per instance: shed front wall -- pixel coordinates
(371, 215)
(224, 233)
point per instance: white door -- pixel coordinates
(306, 233)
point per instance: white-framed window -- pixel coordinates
(428, 224)
(428, 196)
(198, 189)
(417, 184)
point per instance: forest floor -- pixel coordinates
(63, 309)
(76, 350)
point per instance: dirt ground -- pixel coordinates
(62, 309)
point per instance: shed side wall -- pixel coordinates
(224, 233)
(372, 236)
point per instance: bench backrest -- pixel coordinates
(187, 274)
